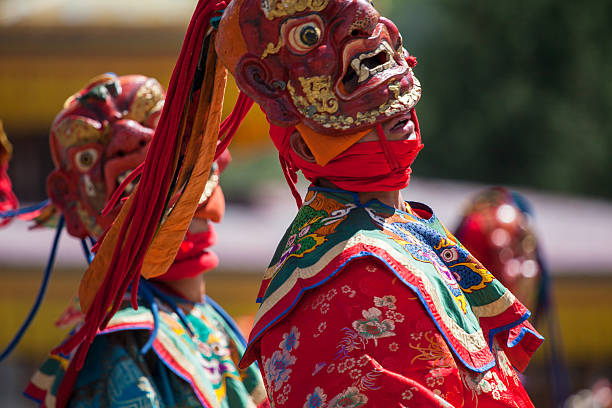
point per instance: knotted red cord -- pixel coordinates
(290, 173)
(387, 149)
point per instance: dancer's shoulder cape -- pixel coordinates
(194, 370)
(468, 305)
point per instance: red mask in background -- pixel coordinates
(103, 134)
(496, 229)
(100, 136)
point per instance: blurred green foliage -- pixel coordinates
(514, 93)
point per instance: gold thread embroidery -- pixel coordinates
(72, 131)
(282, 8)
(434, 350)
(487, 276)
(495, 308)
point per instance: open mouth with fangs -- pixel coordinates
(366, 70)
(113, 185)
(118, 169)
(129, 189)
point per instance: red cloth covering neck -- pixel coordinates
(369, 166)
(193, 257)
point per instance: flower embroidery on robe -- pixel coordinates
(506, 368)
(324, 308)
(290, 340)
(408, 394)
(331, 294)
(276, 368)
(320, 329)
(393, 315)
(372, 327)
(346, 364)
(385, 301)
(490, 382)
(369, 381)
(316, 400)
(355, 374)
(284, 395)
(348, 291)
(350, 398)
(484, 383)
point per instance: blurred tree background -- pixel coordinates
(514, 93)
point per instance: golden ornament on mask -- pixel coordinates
(272, 49)
(281, 8)
(89, 220)
(397, 103)
(209, 188)
(319, 95)
(75, 131)
(148, 100)
(361, 24)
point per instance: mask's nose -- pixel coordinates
(128, 137)
(126, 150)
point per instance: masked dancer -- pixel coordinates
(178, 349)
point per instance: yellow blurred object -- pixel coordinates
(6, 148)
(40, 67)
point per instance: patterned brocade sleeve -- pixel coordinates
(112, 377)
(361, 339)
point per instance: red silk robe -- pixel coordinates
(364, 339)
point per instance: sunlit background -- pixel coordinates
(514, 93)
